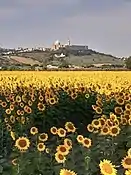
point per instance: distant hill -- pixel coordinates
(86, 58)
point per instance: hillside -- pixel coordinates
(79, 60)
(4, 60)
(24, 60)
(44, 58)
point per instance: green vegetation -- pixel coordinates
(128, 63)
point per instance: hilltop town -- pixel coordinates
(58, 56)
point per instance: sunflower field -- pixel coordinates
(65, 123)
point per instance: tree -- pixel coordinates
(128, 63)
(64, 64)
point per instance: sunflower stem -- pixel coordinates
(39, 161)
(18, 169)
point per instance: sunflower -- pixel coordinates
(127, 98)
(105, 130)
(33, 98)
(114, 130)
(6, 93)
(121, 94)
(109, 123)
(8, 111)
(68, 143)
(14, 162)
(12, 119)
(120, 101)
(62, 149)
(122, 116)
(73, 96)
(21, 104)
(60, 158)
(47, 150)
(29, 110)
(126, 162)
(99, 97)
(30, 103)
(70, 127)
(22, 143)
(118, 110)
(96, 123)
(87, 95)
(18, 99)
(22, 112)
(128, 106)
(31, 93)
(12, 134)
(95, 130)
(41, 98)
(98, 110)
(127, 111)
(86, 142)
(104, 116)
(61, 132)
(65, 88)
(123, 121)
(8, 127)
(67, 172)
(22, 120)
(82, 89)
(116, 122)
(18, 112)
(112, 116)
(52, 101)
(12, 107)
(99, 103)
(94, 107)
(127, 116)
(53, 130)
(25, 108)
(107, 168)
(129, 121)
(34, 130)
(102, 121)
(129, 152)
(11, 96)
(128, 172)
(43, 137)
(108, 98)
(90, 128)
(6, 120)
(69, 92)
(41, 147)
(41, 106)
(4, 104)
(24, 98)
(80, 138)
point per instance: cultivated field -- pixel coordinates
(24, 60)
(65, 123)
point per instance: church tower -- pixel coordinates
(69, 42)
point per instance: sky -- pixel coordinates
(103, 25)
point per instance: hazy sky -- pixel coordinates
(104, 25)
